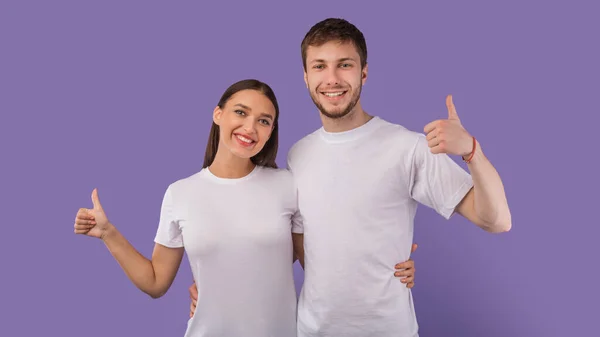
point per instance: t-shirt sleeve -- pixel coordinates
(169, 231)
(297, 223)
(437, 181)
(288, 161)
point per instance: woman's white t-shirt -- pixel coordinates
(237, 236)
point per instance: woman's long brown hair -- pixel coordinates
(266, 157)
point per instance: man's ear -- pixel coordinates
(217, 113)
(365, 71)
(305, 79)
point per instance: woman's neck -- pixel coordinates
(229, 166)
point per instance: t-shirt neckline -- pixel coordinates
(345, 136)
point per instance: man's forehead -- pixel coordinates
(332, 51)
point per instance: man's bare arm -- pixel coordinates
(298, 241)
(485, 205)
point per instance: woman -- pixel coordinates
(235, 217)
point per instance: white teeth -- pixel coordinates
(333, 94)
(244, 139)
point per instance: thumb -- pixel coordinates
(451, 108)
(96, 200)
(414, 247)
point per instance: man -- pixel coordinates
(360, 180)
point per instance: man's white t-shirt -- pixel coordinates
(358, 193)
(237, 236)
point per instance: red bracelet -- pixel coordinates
(472, 153)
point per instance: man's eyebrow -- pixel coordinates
(343, 59)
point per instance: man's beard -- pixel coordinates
(341, 114)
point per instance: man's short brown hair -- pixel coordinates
(334, 29)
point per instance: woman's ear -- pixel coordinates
(217, 113)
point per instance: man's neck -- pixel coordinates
(351, 121)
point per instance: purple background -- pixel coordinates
(118, 95)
